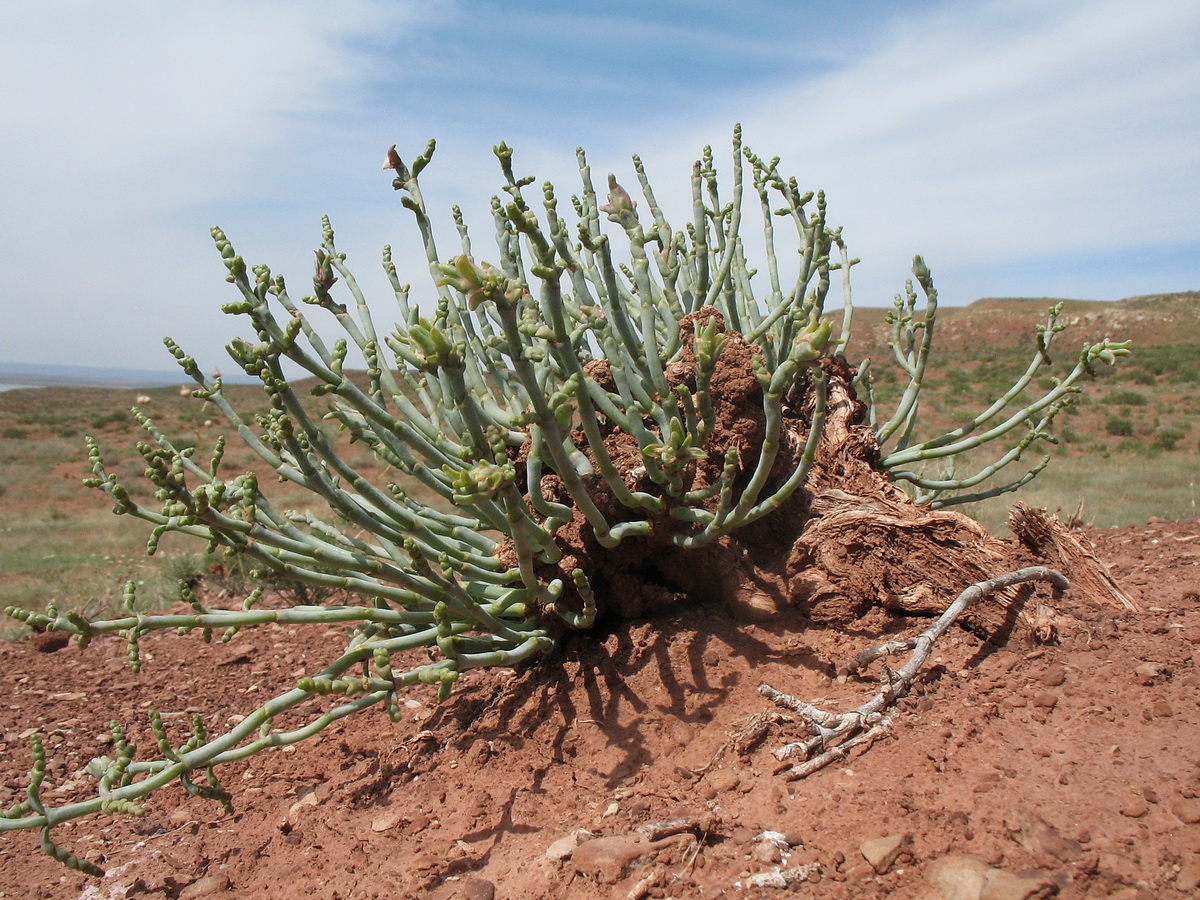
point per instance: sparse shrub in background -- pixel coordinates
(1126, 398)
(1139, 376)
(1118, 426)
(187, 570)
(958, 379)
(12, 433)
(116, 417)
(1167, 439)
(225, 575)
(614, 394)
(884, 376)
(1176, 361)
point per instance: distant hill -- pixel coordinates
(995, 323)
(38, 375)
(990, 323)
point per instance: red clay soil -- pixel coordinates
(1070, 769)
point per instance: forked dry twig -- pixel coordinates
(836, 734)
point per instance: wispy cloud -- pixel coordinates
(995, 137)
(119, 121)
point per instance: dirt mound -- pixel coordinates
(639, 764)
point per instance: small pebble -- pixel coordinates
(1148, 672)
(205, 887)
(1187, 809)
(958, 876)
(1046, 699)
(1054, 676)
(767, 853)
(986, 783)
(1135, 808)
(722, 780)
(386, 822)
(562, 848)
(882, 852)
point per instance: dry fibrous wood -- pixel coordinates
(1070, 551)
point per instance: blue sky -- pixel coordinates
(1047, 148)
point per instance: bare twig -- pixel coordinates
(835, 734)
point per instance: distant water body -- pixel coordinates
(13, 387)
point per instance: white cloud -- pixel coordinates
(981, 134)
(121, 117)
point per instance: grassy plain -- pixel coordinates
(1129, 446)
(59, 541)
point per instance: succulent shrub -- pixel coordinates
(605, 406)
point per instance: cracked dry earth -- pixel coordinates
(629, 766)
